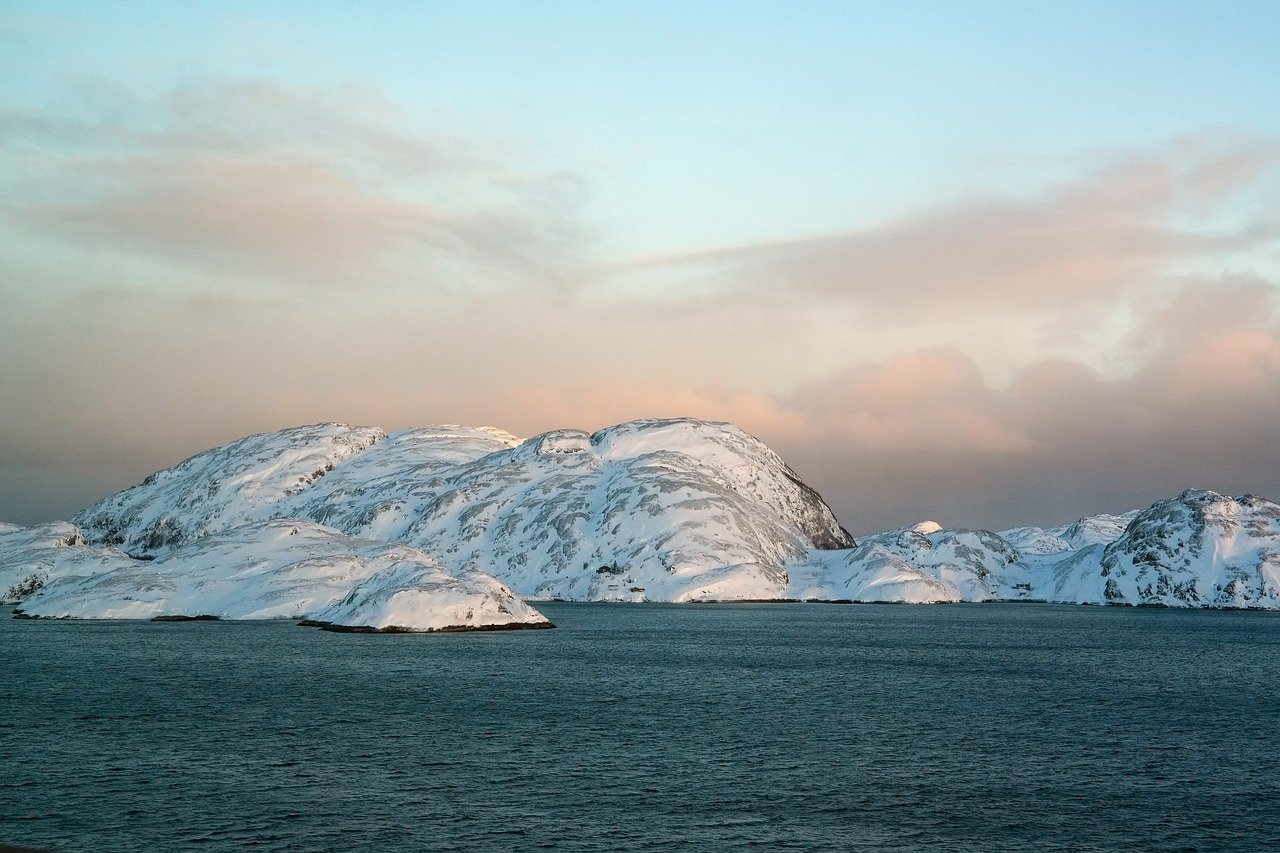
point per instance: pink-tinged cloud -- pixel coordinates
(290, 184)
(889, 442)
(290, 217)
(921, 402)
(1112, 231)
(1201, 409)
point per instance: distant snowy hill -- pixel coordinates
(653, 510)
(1200, 549)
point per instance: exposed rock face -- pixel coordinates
(691, 509)
(288, 569)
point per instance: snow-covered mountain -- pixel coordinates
(654, 510)
(667, 510)
(279, 569)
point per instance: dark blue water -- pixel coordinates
(807, 727)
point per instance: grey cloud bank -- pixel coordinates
(922, 435)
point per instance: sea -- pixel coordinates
(651, 727)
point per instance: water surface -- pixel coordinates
(719, 727)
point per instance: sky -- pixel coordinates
(986, 263)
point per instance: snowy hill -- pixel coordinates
(922, 564)
(652, 510)
(667, 510)
(1200, 549)
(246, 480)
(281, 569)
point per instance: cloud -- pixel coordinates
(902, 370)
(1114, 230)
(923, 402)
(305, 185)
(888, 442)
(926, 435)
(290, 218)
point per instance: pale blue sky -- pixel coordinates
(986, 262)
(700, 124)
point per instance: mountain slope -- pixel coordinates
(1200, 549)
(246, 480)
(31, 557)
